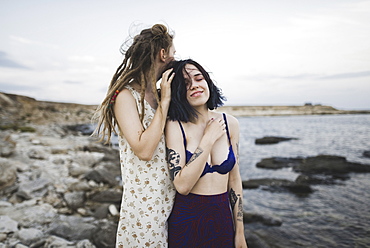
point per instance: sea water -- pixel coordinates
(335, 215)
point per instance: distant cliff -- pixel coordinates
(286, 110)
(23, 110)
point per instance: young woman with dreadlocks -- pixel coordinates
(134, 106)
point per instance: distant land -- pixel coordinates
(22, 109)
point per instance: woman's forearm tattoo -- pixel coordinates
(196, 154)
(233, 198)
(173, 159)
(239, 215)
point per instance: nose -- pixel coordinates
(194, 85)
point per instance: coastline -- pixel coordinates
(22, 109)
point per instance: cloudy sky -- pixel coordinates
(260, 52)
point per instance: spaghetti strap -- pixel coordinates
(227, 128)
(183, 134)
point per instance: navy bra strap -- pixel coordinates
(183, 134)
(227, 128)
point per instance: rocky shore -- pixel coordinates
(60, 188)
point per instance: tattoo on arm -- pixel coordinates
(239, 215)
(173, 159)
(196, 154)
(233, 198)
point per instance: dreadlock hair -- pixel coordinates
(137, 66)
(180, 109)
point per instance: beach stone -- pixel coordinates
(7, 146)
(105, 235)
(8, 173)
(107, 196)
(72, 228)
(29, 235)
(8, 225)
(85, 244)
(33, 188)
(266, 220)
(31, 216)
(87, 159)
(58, 242)
(269, 140)
(101, 175)
(75, 200)
(37, 153)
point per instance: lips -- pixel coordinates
(196, 93)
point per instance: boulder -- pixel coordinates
(269, 140)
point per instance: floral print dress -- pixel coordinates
(148, 192)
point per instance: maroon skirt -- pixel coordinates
(201, 221)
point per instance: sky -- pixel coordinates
(259, 52)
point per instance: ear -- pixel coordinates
(163, 55)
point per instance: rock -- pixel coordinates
(108, 196)
(7, 225)
(30, 216)
(105, 235)
(54, 241)
(102, 176)
(29, 235)
(37, 153)
(268, 140)
(8, 173)
(366, 154)
(72, 228)
(83, 129)
(34, 188)
(327, 164)
(75, 200)
(278, 163)
(7, 146)
(266, 220)
(274, 184)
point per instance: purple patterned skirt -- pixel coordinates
(201, 221)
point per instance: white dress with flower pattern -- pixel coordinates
(148, 192)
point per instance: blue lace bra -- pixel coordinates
(225, 167)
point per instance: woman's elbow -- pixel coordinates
(182, 190)
(145, 155)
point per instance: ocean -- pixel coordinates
(335, 215)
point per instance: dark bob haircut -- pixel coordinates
(180, 109)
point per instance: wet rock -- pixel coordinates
(101, 175)
(75, 200)
(278, 163)
(266, 220)
(7, 225)
(276, 185)
(366, 154)
(268, 140)
(327, 164)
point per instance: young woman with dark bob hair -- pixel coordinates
(202, 153)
